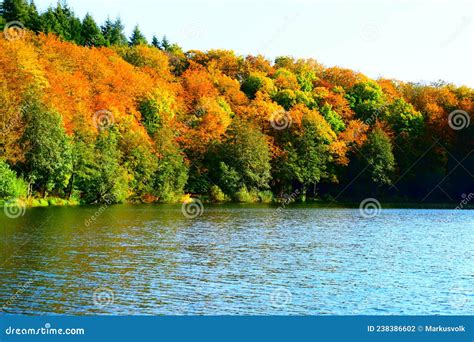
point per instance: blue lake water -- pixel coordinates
(236, 260)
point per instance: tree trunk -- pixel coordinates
(70, 187)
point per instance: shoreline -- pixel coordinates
(309, 203)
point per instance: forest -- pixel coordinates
(89, 115)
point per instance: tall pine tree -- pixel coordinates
(90, 32)
(137, 37)
(62, 21)
(156, 42)
(165, 44)
(15, 10)
(22, 11)
(113, 32)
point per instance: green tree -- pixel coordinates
(377, 152)
(307, 155)
(102, 178)
(113, 32)
(34, 20)
(332, 118)
(367, 100)
(48, 149)
(246, 151)
(15, 10)
(140, 161)
(49, 23)
(165, 44)
(404, 118)
(172, 173)
(90, 33)
(10, 185)
(253, 83)
(62, 21)
(156, 42)
(149, 109)
(229, 179)
(137, 37)
(286, 98)
(83, 159)
(305, 79)
(22, 11)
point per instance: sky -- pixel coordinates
(418, 40)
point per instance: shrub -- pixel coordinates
(10, 185)
(217, 195)
(265, 196)
(56, 201)
(245, 196)
(169, 195)
(38, 202)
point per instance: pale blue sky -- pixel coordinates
(416, 40)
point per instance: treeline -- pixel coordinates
(106, 120)
(62, 21)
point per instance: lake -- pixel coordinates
(237, 260)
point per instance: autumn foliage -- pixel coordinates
(140, 123)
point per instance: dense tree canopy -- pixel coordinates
(89, 114)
